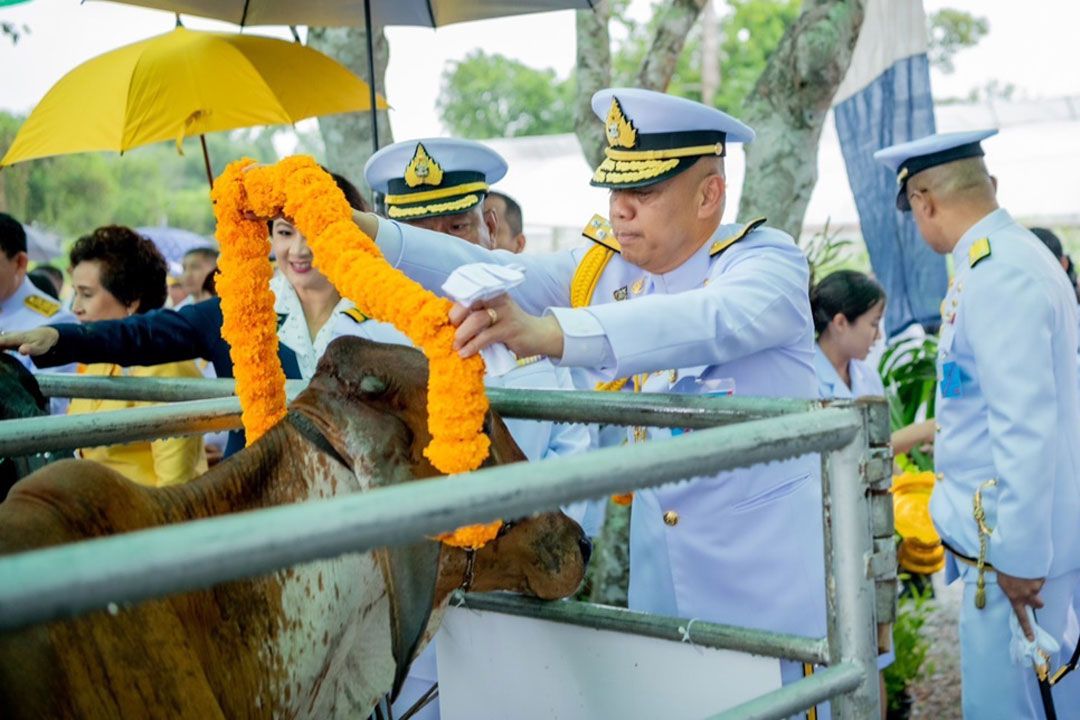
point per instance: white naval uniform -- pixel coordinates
(747, 548)
(293, 329)
(865, 381)
(27, 309)
(1007, 410)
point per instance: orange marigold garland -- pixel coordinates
(298, 188)
(247, 304)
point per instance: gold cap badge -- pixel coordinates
(422, 169)
(619, 130)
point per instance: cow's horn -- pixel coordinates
(371, 385)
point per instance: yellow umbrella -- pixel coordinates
(185, 83)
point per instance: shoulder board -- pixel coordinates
(522, 362)
(600, 232)
(42, 305)
(357, 316)
(980, 250)
(721, 245)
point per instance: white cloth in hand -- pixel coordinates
(1026, 653)
(477, 283)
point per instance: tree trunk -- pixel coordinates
(593, 73)
(788, 107)
(348, 136)
(710, 54)
(679, 17)
(609, 571)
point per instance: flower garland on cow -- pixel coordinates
(299, 189)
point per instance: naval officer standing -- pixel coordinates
(670, 299)
(1007, 451)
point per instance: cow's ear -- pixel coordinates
(503, 447)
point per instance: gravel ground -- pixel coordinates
(936, 695)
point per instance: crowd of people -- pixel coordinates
(667, 298)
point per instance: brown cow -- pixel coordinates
(321, 640)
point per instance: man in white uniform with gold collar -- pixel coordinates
(1007, 451)
(669, 299)
(22, 305)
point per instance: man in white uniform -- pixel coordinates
(1007, 451)
(22, 305)
(669, 299)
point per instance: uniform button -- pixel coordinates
(937, 427)
(671, 518)
(940, 476)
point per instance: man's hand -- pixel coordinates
(1021, 593)
(500, 320)
(30, 342)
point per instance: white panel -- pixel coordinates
(501, 666)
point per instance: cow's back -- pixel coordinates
(136, 663)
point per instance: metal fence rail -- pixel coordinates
(64, 581)
(208, 405)
(70, 579)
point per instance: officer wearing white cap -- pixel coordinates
(667, 298)
(440, 184)
(1007, 501)
(22, 305)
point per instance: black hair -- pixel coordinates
(513, 212)
(1053, 244)
(53, 273)
(207, 252)
(848, 292)
(132, 268)
(352, 196)
(12, 236)
(209, 285)
(44, 282)
(1050, 240)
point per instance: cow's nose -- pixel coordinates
(585, 546)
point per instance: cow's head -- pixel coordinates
(369, 400)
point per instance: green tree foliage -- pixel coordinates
(491, 96)
(153, 185)
(950, 32)
(749, 33)
(486, 96)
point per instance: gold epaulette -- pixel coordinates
(721, 245)
(587, 275)
(599, 230)
(980, 250)
(41, 305)
(355, 314)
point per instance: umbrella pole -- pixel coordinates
(206, 159)
(371, 77)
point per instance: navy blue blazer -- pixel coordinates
(153, 338)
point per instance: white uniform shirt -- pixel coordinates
(746, 548)
(1007, 405)
(865, 381)
(293, 329)
(27, 309)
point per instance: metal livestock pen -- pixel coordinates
(853, 437)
